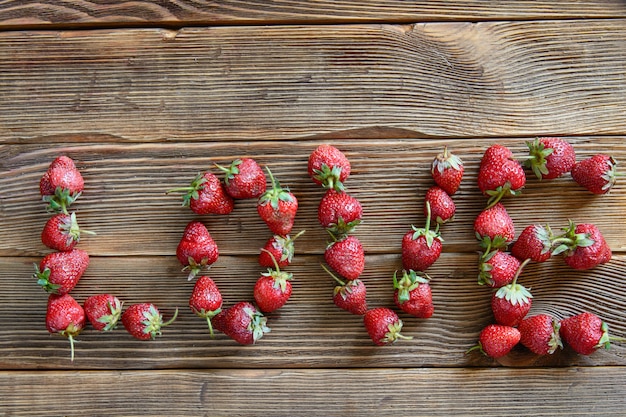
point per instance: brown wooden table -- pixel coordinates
(144, 95)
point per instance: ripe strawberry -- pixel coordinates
(144, 321)
(59, 272)
(447, 171)
(412, 294)
(494, 227)
(500, 174)
(585, 333)
(196, 250)
(242, 322)
(244, 178)
(582, 246)
(350, 296)
(103, 311)
(550, 158)
(497, 268)
(65, 316)
(383, 326)
(597, 173)
(339, 212)
(346, 256)
(273, 289)
(540, 334)
(512, 302)
(329, 167)
(280, 248)
(206, 300)
(535, 243)
(496, 340)
(441, 205)
(421, 247)
(278, 207)
(61, 184)
(61, 232)
(206, 195)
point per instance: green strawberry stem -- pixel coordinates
(276, 267)
(71, 331)
(519, 271)
(170, 321)
(339, 281)
(496, 195)
(276, 194)
(191, 191)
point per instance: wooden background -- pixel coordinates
(143, 96)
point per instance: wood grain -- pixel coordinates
(285, 82)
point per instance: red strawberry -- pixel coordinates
(447, 171)
(596, 174)
(346, 256)
(350, 296)
(278, 207)
(206, 300)
(280, 248)
(497, 268)
(61, 232)
(206, 195)
(61, 184)
(582, 246)
(441, 205)
(550, 158)
(59, 272)
(512, 302)
(144, 321)
(540, 334)
(242, 322)
(421, 247)
(273, 289)
(196, 250)
(535, 243)
(103, 311)
(383, 326)
(244, 178)
(65, 316)
(339, 212)
(585, 333)
(500, 174)
(496, 340)
(329, 167)
(494, 227)
(412, 294)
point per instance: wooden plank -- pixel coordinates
(21, 13)
(284, 82)
(424, 392)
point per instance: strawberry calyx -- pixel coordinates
(230, 171)
(280, 278)
(485, 268)
(43, 279)
(515, 293)
(393, 333)
(610, 175)
(61, 200)
(555, 341)
(258, 323)
(285, 244)
(191, 192)
(208, 315)
(446, 160)
(429, 235)
(154, 321)
(111, 320)
(410, 281)
(343, 288)
(570, 240)
(195, 268)
(69, 227)
(496, 195)
(329, 177)
(343, 228)
(275, 194)
(537, 159)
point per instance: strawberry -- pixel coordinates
(280, 248)
(59, 272)
(244, 178)
(346, 256)
(586, 333)
(447, 171)
(497, 268)
(497, 340)
(206, 300)
(278, 207)
(350, 296)
(494, 227)
(196, 250)
(66, 317)
(61, 232)
(383, 326)
(597, 173)
(549, 157)
(540, 334)
(582, 246)
(412, 294)
(329, 167)
(339, 212)
(535, 243)
(441, 205)
(511, 303)
(421, 247)
(206, 195)
(273, 289)
(61, 184)
(144, 321)
(242, 322)
(103, 311)
(500, 174)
